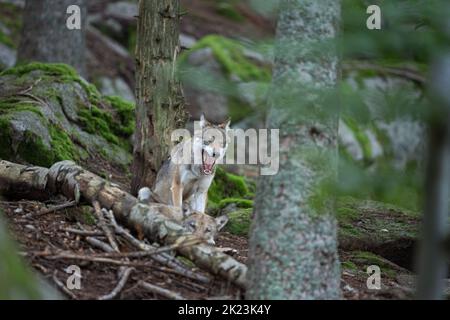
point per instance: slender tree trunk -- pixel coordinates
(432, 256)
(160, 104)
(293, 245)
(46, 37)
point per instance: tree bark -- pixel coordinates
(46, 38)
(293, 245)
(432, 263)
(160, 103)
(74, 182)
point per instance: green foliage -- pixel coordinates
(239, 222)
(6, 40)
(384, 183)
(411, 30)
(17, 282)
(10, 16)
(228, 9)
(348, 265)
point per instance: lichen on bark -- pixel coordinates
(293, 245)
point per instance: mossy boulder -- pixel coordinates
(229, 188)
(239, 222)
(49, 113)
(380, 228)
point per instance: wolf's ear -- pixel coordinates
(221, 222)
(225, 125)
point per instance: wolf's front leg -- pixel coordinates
(198, 202)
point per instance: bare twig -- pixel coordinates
(83, 232)
(99, 244)
(120, 285)
(61, 285)
(104, 226)
(56, 208)
(161, 291)
(162, 257)
(139, 254)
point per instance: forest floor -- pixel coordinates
(42, 235)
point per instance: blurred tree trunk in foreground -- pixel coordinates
(160, 103)
(16, 281)
(432, 257)
(46, 37)
(293, 245)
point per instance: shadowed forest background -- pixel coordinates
(388, 109)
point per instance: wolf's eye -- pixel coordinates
(208, 230)
(192, 224)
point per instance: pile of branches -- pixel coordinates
(110, 202)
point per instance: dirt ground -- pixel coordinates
(42, 235)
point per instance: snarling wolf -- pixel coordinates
(185, 184)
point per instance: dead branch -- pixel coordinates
(99, 244)
(102, 224)
(56, 208)
(120, 285)
(162, 257)
(61, 286)
(83, 232)
(161, 291)
(67, 178)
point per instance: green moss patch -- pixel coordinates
(230, 54)
(86, 110)
(227, 185)
(6, 40)
(370, 225)
(365, 259)
(239, 202)
(239, 222)
(62, 72)
(228, 10)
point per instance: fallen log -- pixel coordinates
(74, 182)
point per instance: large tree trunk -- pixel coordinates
(160, 104)
(74, 182)
(432, 256)
(46, 38)
(293, 245)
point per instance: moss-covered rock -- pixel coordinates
(231, 56)
(239, 222)
(227, 185)
(380, 228)
(49, 113)
(221, 75)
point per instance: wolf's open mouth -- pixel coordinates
(207, 163)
